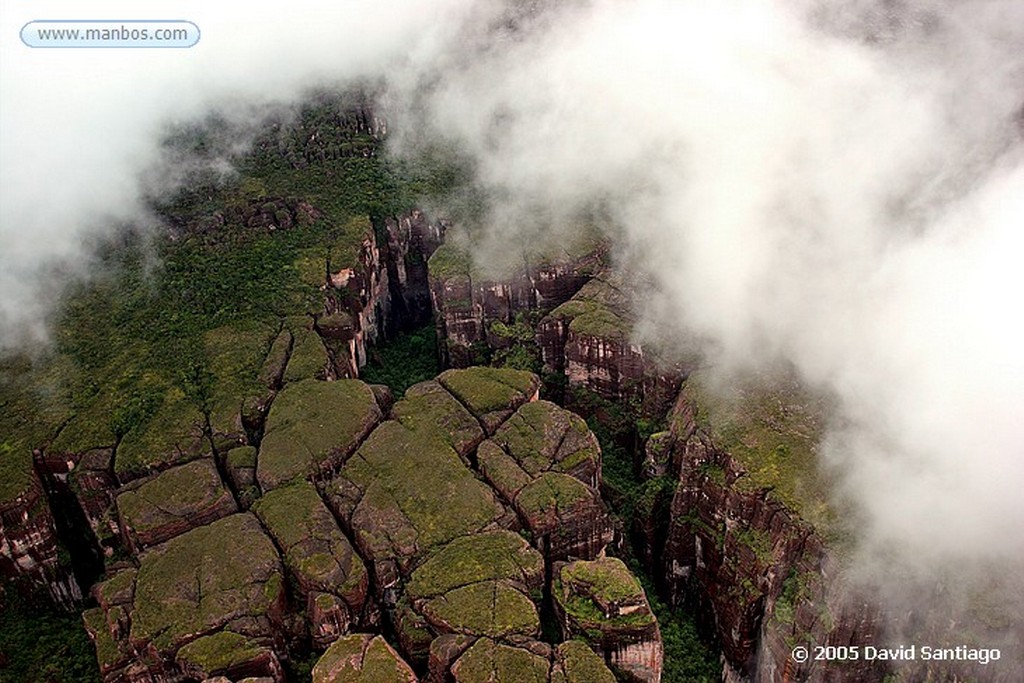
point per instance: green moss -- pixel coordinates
(198, 581)
(772, 427)
(219, 652)
(243, 457)
(760, 542)
(174, 495)
(490, 608)
(552, 493)
(583, 587)
(309, 357)
(479, 557)
(581, 664)
(426, 480)
(107, 652)
(542, 436)
(488, 661)
(313, 425)
(361, 658)
(601, 323)
(236, 355)
(427, 406)
(501, 470)
(175, 429)
(484, 390)
(118, 589)
(314, 547)
(450, 261)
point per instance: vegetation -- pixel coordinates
(409, 358)
(772, 428)
(40, 645)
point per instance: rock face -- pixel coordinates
(587, 341)
(28, 545)
(761, 575)
(602, 602)
(469, 304)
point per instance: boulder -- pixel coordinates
(312, 428)
(173, 502)
(326, 569)
(602, 602)
(362, 658)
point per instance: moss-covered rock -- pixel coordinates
(308, 358)
(428, 406)
(603, 603)
(109, 654)
(541, 436)
(317, 554)
(362, 658)
(204, 580)
(173, 502)
(227, 654)
(406, 491)
(495, 555)
(480, 585)
(314, 426)
(575, 662)
(490, 662)
(491, 394)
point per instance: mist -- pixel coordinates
(841, 190)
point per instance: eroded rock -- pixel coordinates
(171, 503)
(327, 570)
(312, 428)
(602, 602)
(362, 658)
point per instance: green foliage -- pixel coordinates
(39, 645)
(409, 358)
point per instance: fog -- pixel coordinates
(838, 189)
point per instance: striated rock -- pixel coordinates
(468, 304)
(362, 658)
(171, 503)
(29, 543)
(588, 340)
(328, 572)
(739, 554)
(546, 462)
(313, 427)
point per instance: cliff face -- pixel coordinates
(468, 303)
(761, 576)
(587, 340)
(29, 546)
